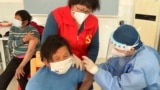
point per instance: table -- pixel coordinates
(3, 30)
(2, 51)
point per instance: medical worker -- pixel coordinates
(134, 66)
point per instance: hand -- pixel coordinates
(29, 36)
(19, 72)
(89, 65)
(77, 61)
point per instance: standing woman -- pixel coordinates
(24, 41)
(77, 24)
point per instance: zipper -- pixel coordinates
(77, 37)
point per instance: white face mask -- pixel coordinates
(61, 67)
(17, 23)
(80, 17)
(115, 53)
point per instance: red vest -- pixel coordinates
(68, 29)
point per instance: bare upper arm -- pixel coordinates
(33, 43)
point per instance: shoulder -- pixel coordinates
(39, 74)
(32, 27)
(35, 81)
(13, 28)
(147, 57)
(92, 21)
(77, 74)
(92, 18)
(147, 52)
(60, 9)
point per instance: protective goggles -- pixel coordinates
(122, 46)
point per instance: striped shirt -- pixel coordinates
(15, 39)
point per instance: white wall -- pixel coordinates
(8, 9)
(107, 23)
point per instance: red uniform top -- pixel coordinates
(67, 28)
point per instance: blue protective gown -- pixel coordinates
(141, 71)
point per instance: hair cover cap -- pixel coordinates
(127, 34)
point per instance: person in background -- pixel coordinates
(24, 41)
(134, 66)
(78, 25)
(57, 73)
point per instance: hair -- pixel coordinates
(91, 4)
(24, 15)
(51, 45)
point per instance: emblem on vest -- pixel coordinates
(88, 39)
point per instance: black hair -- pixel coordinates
(51, 45)
(24, 15)
(91, 4)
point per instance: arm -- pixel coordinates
(12, 42)
(134, 80)
(30, 52)
(94, 47)
(51, 27)
(87, 82)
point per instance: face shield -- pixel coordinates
(113, 44)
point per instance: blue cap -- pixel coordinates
(127, 34)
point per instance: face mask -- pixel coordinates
(80, 17)
(115, 53)
(17, 23)
(61, 67)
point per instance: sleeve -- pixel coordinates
(35, 31)
(33, 86)
(50, 28)
(12, 43)
(94, 47)
(81, 76)
(133, 80)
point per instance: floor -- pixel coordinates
(13, 84)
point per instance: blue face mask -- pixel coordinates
(17, 23)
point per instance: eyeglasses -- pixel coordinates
(122, 46)
(83, 9)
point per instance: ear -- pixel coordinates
(46, 62)
(25, 22)
(132, 49)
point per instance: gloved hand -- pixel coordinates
(89, 65)
(77, 61)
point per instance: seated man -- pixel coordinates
(57, 73)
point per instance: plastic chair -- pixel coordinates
(35, 64)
